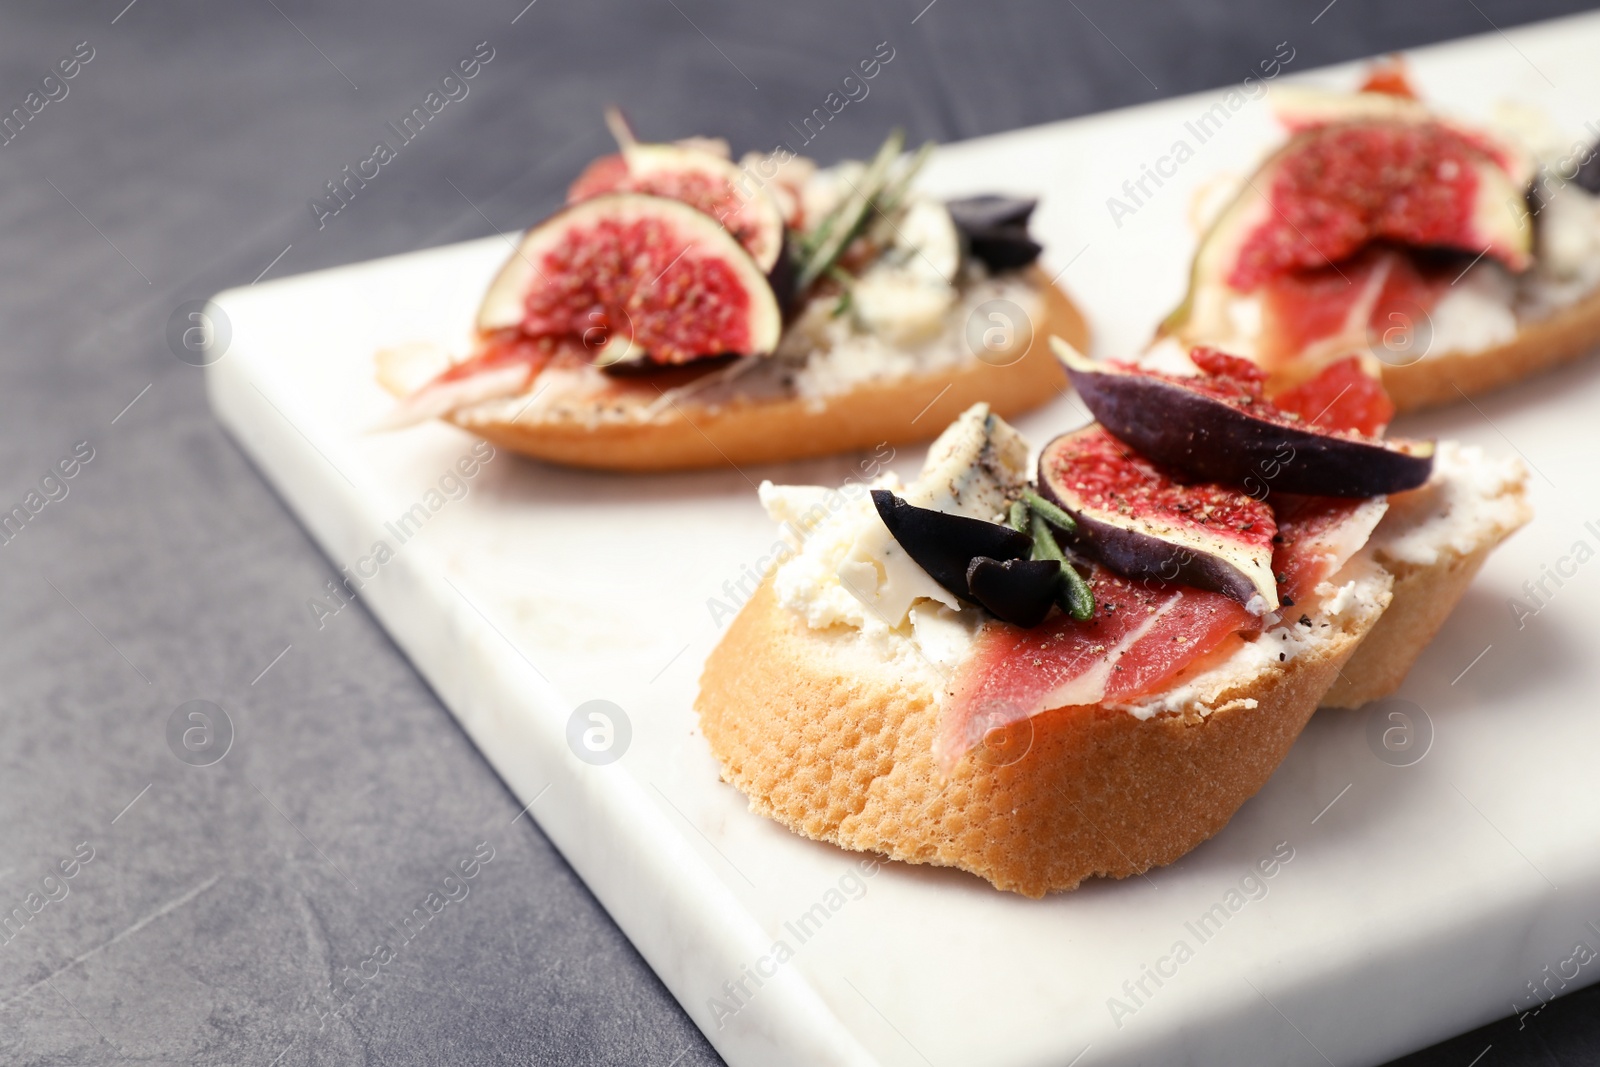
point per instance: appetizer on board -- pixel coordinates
(1083, 666)
(686, 310)
(1456, 257)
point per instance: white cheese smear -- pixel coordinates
(906, 315)
(848, 571)
(1487, 305)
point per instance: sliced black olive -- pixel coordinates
(995, 230)
(1019, 591)
(974, 214)
(641, 366)
(945, 545)
(1588, 176)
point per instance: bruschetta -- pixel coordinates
(684, 310)
(1454, 257)
(1082, 664)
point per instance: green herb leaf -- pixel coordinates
(1077, 599)
(845, 222)
(1075, 596)
(894, 193)
(1052, 514)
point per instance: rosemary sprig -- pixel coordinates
(1052, 514)
(1034, 515)
(894, 192)
(846, 295)
(845, 222)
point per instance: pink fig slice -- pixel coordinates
(1137, 520)
(632, 276)
(703, 180)
(1335, 188)
(1217, 430)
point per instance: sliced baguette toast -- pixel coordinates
(1445, 378)
(834, 739)
(631, 426)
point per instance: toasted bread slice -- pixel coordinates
(1444, 378)
(833, 737)
(659, 422)
(1432, 541)
(1449, 376)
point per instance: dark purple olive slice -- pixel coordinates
(783, 276)
(1134, 519)
(987, 211)
(995, 230)
(1209, 434)
(1546, 183)
(1588, 176)
(944, 545)
(1018, 591)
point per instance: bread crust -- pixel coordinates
(1423, 599)
(1539, 345)
(831, 740)
(845, 755)
(904, 410)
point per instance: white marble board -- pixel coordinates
(1420, 900)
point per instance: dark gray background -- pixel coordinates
(219, 907)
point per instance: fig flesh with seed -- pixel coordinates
(703, 180)
(1138, 520)
(635, 277)
(1384, 174)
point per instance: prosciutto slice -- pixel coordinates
(1141, 635)
(1316, 536)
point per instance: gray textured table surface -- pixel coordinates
(221, 903)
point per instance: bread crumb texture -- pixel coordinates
(838, 745)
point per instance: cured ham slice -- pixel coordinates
(1342, 397)
(1316, 536)
(1380, 293)
(1141, 635)
(502, 367)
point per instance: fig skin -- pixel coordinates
(1144, 557)
(1018, 591)
(1133, 547)
(1210, 440)
(945, 545)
